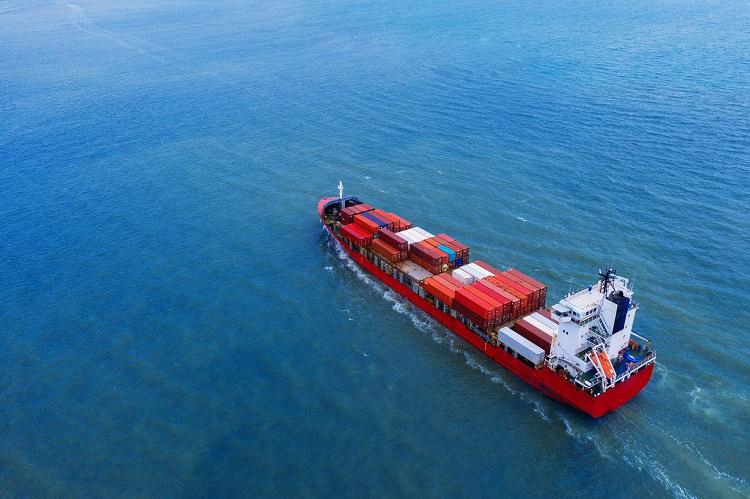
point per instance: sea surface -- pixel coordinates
(176, 324)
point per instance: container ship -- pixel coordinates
(581, 351)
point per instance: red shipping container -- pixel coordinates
(474, 317)
(542, 299)
(516, 289)
(393, 239)
(451, 280)
(533, 334)
(347, 214)
(467, 298)
(396, 221)
(356, 235)
(437, 289)
(387, 251)
(366, 224)
(434, 256)
(515, 301)
(533, 290)
(490, 290)
(403, 223)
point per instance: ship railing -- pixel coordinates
(641, 339)
(636, 366)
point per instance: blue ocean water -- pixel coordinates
(175, 323)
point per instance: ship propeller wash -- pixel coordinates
(582, 351)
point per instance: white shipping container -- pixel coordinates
(521, 346)
(409, 236)
(539, 325)
(426, 234)
(414, 235)
(550, 324)
(463, 276)
(476, 270)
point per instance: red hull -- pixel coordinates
(545, 379)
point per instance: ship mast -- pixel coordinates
(341, 193)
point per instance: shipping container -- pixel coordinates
(544, 320)
(492, 291)
(479, 270)
(515, 288)
(521, 346)
(403, 223)
(393, 239)
(414, 271)
(347, 214)
(448, 278)
(515, 301)
(534, 334)
(399, 223)
(463, 276)
(424, 233)
(462, 251)
(552, 332)
(387, 251)
(413, 235)
(541, 287)
(475, 270)
(467, 297)
(356, 235)
(434, 258)
(534, 292)
(383, 223)
(546, 313)
(437, 288)
(366, 223)
(489, 268)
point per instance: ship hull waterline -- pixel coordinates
(547, 381)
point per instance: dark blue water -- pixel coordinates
(174, 323)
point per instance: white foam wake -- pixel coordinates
(440, 334)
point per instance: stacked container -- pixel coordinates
(414, 235)
(535, 332)
(429, 257)
(522, 346)
(387, 251)
(347, 214)
(458, 254)
(414, 271)
(539, 290)
(399, 223)
(356, 235)
(443, 287)
(478, 307)
(371, 222)
(462, 251)
(393, 239)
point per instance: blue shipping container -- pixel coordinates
(375, 219)
(451, 253)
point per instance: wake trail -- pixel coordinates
(81, 21)
(438, 333)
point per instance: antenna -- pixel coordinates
(570, 285)
(607, 281)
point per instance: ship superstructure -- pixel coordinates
(581, 351)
